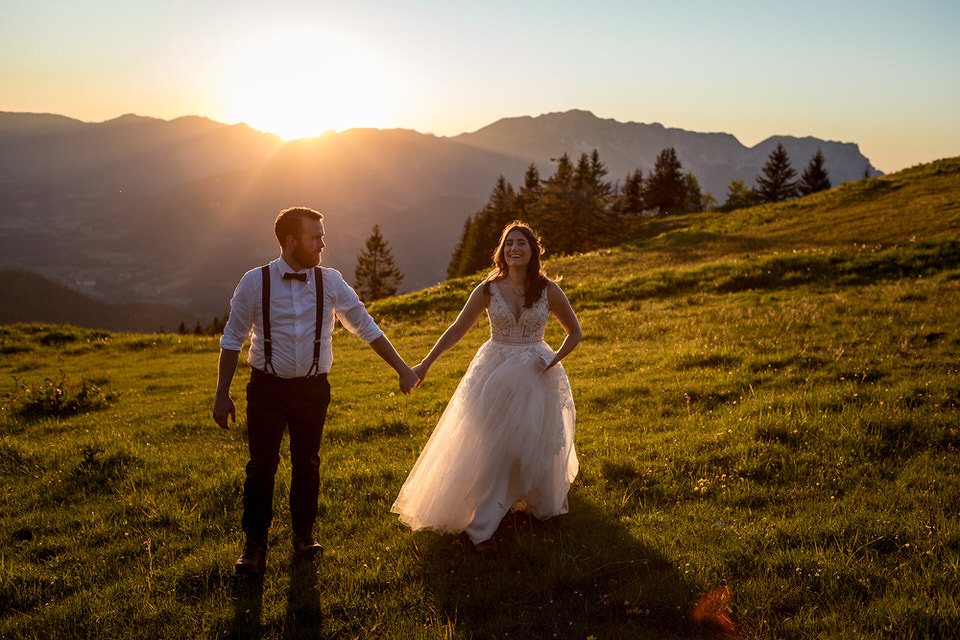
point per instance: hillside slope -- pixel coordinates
(27, 297)
(868, 221)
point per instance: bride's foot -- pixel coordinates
(487, 546)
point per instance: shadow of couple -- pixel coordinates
(579, 575)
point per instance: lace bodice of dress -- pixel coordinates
(526, 329)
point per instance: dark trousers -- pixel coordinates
(273, 405)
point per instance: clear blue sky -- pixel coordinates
(881, 74)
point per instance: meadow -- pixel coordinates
(767, 430)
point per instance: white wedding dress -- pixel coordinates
(504, 440)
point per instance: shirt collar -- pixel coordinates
(283, 267)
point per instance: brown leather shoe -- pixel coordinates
(305, 547)
(253, 560)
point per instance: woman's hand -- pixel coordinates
(421, 371)
(542, 366)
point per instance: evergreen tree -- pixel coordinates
(529, 194)
(777, 184)
(666, 188)
(593, 224)
(694, 199)
(453, 267)
(575, 209)
(815, 177)
(739, 196)
(480, 236)
(556, 208)
(626, 206)
(631, 198)
(376, 274)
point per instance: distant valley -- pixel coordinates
(140, 210)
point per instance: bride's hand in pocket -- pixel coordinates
(541, 366)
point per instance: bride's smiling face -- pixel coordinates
(516, 249)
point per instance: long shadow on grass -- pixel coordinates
(303, 617)
(578, 575)
(247, 608)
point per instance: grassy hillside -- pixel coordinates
(767, 427)
(26, 296)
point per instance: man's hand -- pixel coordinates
(408, 379)
(222, 409)
(222, 404)
(421, 371)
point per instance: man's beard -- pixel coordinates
(305, 258)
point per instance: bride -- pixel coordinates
(506, 438)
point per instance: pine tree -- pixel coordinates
(480, 234)
(529, 194)
(739, 196)
(557, 207)
(593, 224)
(377, 276)
(453, 267)
(776, 184)
(626, 207)
(694, 200)
(815, 177)
(631, 198)
(666, 188)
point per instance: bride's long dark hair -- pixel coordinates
(536, 277)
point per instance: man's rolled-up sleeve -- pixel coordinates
(240, 322)
(353, 315)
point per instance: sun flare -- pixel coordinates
(303, 84)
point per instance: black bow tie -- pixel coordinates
(302, 277)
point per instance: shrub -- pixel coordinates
(51, 398)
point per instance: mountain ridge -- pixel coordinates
(713, 157)
(131, 209)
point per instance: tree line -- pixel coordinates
(576, 209)
(776, 181)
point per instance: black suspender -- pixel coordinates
(318, 279)
(268, 343)
(265, 304)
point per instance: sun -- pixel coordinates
(304, 83)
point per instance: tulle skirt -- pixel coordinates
(505, 439)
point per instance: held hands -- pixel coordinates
(421, 371)
(409, 380)
(223, 408)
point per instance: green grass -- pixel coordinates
(778, 419)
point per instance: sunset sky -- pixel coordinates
(881, 74)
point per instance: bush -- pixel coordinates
(52, 398)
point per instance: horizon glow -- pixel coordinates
(877, 74)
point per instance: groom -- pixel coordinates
(288, 306)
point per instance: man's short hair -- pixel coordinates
(288, 222)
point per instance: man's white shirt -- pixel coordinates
(293, 318)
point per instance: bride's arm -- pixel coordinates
(563, 312)
(468, 317)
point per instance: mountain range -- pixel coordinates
(141, 210)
